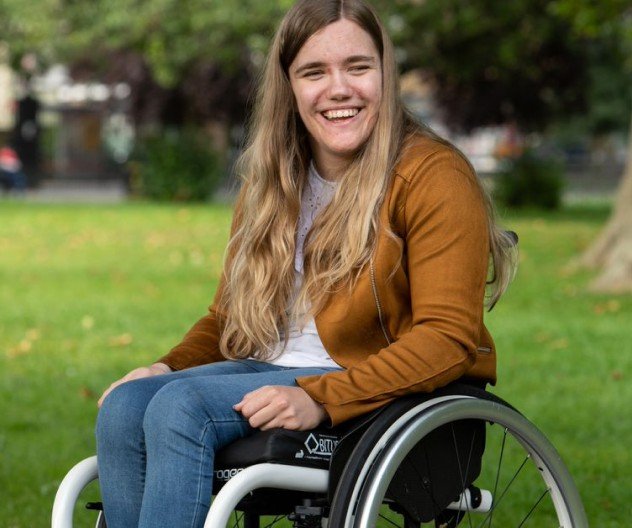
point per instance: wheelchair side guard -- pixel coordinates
(74, 482)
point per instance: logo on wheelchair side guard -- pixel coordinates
(227, 474)
(322, 445)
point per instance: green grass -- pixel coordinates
(89, 292)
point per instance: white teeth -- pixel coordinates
(337, 114)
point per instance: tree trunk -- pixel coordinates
(611, 252)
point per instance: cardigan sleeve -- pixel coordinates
(446, 252)
(200, 344)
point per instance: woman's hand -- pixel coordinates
(142, 372)
(278, 406)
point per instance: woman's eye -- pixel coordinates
(360, 68)
(313, 74)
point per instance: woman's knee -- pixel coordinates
(173, 407)
(122, 411)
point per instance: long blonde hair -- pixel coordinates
(258, 301)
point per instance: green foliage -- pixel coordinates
(176, 166)
(170, 34)
(531, 181)
(27, 29)
(90, 292)
(593, 18)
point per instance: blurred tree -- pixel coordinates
(27, 29)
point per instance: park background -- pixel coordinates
(127, 118)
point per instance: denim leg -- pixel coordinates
(185, 423)
(121, 441)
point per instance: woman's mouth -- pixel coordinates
(340, 114)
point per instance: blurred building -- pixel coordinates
(65, 132)
(593, 166)
(88, 134)
(485, 147)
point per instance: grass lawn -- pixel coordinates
(89, 292)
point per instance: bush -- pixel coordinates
(531, 181)
(176, 166)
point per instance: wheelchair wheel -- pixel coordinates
(524, 478)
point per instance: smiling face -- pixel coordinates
(336, 78)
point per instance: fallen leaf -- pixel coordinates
(121, 340)
(542, 337)
(32, 334)
(613, 305)
(559, 344)
(87, 393)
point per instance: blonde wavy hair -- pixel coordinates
(257, 302)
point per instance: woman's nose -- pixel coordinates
(339, 87)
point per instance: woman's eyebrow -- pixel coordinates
(349, 60)
(360, 58)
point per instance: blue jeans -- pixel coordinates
(157, 436)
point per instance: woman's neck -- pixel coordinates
(330, 168)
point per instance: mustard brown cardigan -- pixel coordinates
(414, 321)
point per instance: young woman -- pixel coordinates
(355, 273)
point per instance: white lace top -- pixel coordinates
(304, 347)
(316, 196)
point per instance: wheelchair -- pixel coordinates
(460, 456)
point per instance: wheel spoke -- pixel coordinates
(546, 491)
(388, 520)
(274, 521)
(238, 518)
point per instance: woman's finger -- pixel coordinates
(108, 390)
